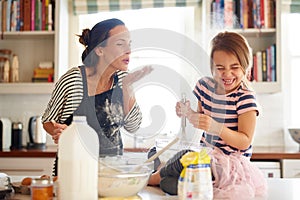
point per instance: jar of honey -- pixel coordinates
(41, 189)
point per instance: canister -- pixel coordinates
(16, 135)
(41, 189)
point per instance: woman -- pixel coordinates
(100, 89)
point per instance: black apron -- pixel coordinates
(104, 113)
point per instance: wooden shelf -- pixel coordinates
(28, 34)
(266, 87)
(255, 32)
(26, 88)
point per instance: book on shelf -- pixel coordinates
(264, 65)
(229, 9)
(43, 71)
(42, 80)
(254, 69)
(32, 14)
(20, 19)
(1, 2)
(243, 13)
(3, 16)
(27, 15)
(8, 14)
(43, 74)
(259, 66)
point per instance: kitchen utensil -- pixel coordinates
(36, 133)
(5, 133)
(16, 135)
(152, 158)
(183, 121)
(162, 150)
(149, 160)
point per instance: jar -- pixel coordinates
(16, 136)
(41, 189)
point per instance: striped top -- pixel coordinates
(68, 93)
(224, 109)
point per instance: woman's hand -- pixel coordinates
(136, 75)
(128, 94)
(54, 129)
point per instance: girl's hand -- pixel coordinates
(204, 122)
(182, 109)
(57, 130)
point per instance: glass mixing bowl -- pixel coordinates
(122, 176)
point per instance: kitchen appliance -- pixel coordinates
(36, 133)
(5, 133)
(16, 136)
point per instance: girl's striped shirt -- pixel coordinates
(224, 109)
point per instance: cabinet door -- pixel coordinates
(26, 166)
(291, 168)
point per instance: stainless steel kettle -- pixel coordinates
(36, 134)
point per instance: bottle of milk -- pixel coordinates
(78, 152)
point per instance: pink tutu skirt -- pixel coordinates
(236, 177)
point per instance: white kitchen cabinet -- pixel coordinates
(26, 166)
(290, 168)
(270, 169)
(259, 39)
(33, 47)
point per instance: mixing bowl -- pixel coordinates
(122, 177)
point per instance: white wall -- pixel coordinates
(19, 108)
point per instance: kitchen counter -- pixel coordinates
(259, 153)
(275, 153)
(48, 152)
(278, 189)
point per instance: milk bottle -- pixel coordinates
(78, 152)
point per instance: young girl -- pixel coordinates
(227, 111)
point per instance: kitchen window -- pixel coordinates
(157, 101)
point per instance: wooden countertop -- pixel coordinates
(50, 151)
(275, 153)
(259, 153)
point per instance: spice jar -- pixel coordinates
(41, 189)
